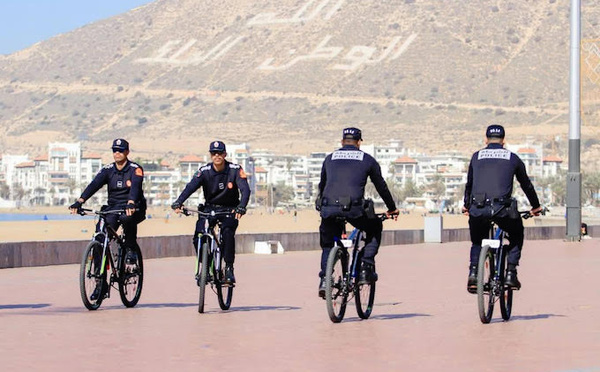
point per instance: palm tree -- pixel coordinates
(4, 190)
(437, 187)
(18, 193)
(591, 186)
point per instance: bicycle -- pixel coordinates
(342, 279)
(210, 261)
(100, 258)
(491, 273)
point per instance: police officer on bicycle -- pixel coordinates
(222, 183)
(124, 180)
(488, 197)
(341, 195)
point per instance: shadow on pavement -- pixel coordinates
(388, 317)
(23, 306)
(535, 317)
(262, 308)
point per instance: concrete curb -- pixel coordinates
(27, 254)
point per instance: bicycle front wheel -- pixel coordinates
(89, 275)
(506, 297)
(131, 276)
(336, 291)
(485, 290)
(224, 292)
(202, 275)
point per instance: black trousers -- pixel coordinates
(480, 227)
(230, 224)
(332, 228)
(129, 224)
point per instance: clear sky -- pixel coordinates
(25, 22)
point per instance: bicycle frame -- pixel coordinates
(212, 234)
(108, 234)
(356, 236)
(497, 248)
(104, 236)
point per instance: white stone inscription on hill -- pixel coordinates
(167, 54)
(176, 52)
(299, 16)
(357, 55)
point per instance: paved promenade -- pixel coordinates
(424, 320)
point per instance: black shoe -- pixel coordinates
(322, 288)
(367, 274)
(229, 277)
(472, 280)
(100, 290)
(511, 280)
(131, 258)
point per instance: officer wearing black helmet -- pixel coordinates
(222, 183)
(341, 194)
(489, 189)
(124, 180)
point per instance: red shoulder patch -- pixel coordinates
(242, 173)
(139, 172)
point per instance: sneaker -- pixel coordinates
(229, 277)
(367, 274)
(131, 258)
(472, 280)
(99, 290)
(511, 280)
(322, 288)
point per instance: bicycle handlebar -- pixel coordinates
(527, 214)
(86, 211)
(212, 213)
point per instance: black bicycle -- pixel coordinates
(491, 273)
(342, 278)
(106, 262)
(210, 261)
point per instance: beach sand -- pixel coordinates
(158, 224)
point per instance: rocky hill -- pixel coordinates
(287, 75)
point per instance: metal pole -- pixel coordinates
(574, 172)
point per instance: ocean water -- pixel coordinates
(4, 217)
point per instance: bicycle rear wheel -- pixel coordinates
(202, 275)
(336, 292)
(506, 297)
(485, 290)
(224, 292)
(89, 276)
(131, 276)
(364, 296)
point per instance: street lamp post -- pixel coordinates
(574, 172)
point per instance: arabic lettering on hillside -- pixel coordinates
(343, 58)
(302, 15)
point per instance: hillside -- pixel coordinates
(288, 75)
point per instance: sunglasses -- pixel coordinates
(118, 150)
(215, 153)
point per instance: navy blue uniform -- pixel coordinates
(341, 192)
(489, 187)
(123, 185)
(221, 191)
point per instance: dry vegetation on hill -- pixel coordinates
(288, 75)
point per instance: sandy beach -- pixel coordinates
(163, 221)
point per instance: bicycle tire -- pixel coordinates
(336, 293)
(87, 280)
(485, 274)
(131, 277)
(364, 295)
(506, 296)
(224, 292)
(203, 274)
